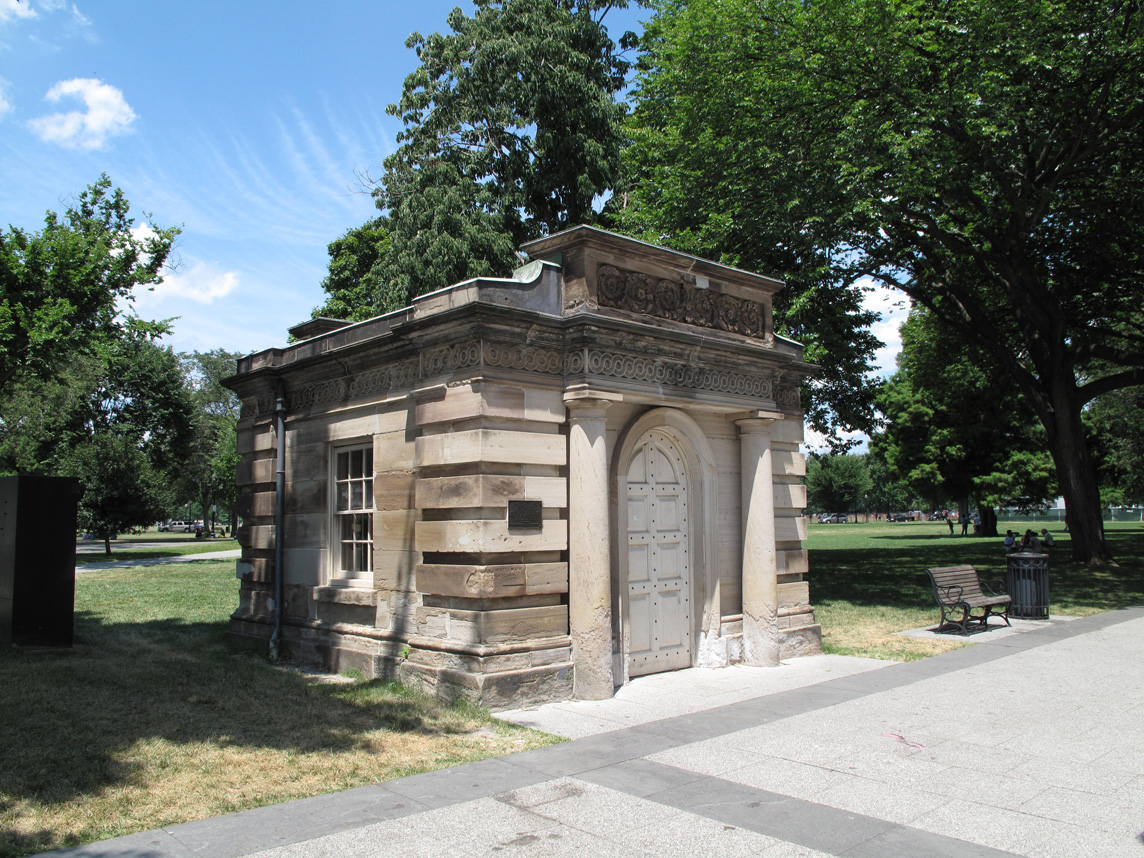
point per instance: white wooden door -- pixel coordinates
(659, 577)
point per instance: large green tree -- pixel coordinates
(60, 287)
(1117, 423)
(986, 157)
(121, 420)
(837, 483)
(207, 472)
(512, 130)
(957, 427)
(356, 277)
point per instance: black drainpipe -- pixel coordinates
(279, 514)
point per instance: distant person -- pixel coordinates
(1030, 544)
(977, 524)
(1010, 541)
(965, 525)
(1047, 538)
(949, 521)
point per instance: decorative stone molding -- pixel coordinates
(450, 359)
(318, 394)
(671, 299)
(787, 395)
(670, 373)
(527, 358)
(407, 374)
(254, 406)
(392, 377)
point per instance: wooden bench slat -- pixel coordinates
(958, 588)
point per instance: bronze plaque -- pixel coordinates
(525, 513)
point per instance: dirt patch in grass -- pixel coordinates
(152, 720)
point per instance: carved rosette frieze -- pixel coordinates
(671, 299)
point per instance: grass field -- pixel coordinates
(868, 580)
(152, 720)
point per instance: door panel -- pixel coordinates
(659, 575)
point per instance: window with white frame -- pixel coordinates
(353, 511)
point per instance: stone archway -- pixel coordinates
(667, 589)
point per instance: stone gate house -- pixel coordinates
(533, 488)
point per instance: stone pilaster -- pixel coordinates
(761, 644)
(589, 545)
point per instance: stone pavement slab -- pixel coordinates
(1030, 745)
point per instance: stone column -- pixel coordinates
(760, 569)
(589, 545)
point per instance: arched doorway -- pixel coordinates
(658, 561)
(665, 556)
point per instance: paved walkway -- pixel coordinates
(127, 562)
(1027, 744)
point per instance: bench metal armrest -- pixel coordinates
(996, 589)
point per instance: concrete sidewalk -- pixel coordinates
(1027, 744)
(127, 563)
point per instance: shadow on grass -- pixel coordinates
(70, 715)
(869, 572)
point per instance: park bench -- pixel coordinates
(958, 591)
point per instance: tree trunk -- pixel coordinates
(1077, 474)
(107, 544)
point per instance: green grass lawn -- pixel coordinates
(868, 581)
(153, 720)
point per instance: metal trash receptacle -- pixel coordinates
(1027, 580)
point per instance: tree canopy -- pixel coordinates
(59, 287)
(957, 427)
(207, 473)
(985, 157)
(121, 420)
(837, 483)
(512, 130)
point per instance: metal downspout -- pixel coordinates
(279, 514)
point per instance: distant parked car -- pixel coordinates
(177, 527)
(832, 518)
(903, 516)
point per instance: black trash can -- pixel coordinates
(1027, 580)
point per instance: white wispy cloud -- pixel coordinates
(107, 115)
(11, 9)
(5, 104)
(200, 282)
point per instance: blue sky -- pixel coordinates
(245, 123)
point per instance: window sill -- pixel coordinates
(344, 594)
